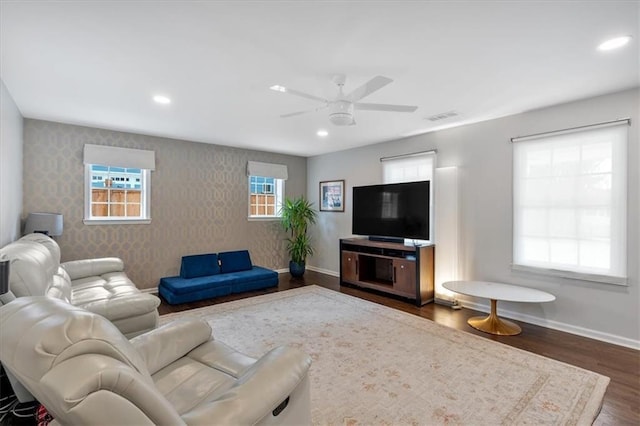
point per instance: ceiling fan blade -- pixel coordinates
(368, 88)
(293, 114)
(385, 107)
(283, 89)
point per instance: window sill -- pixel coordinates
(116, 221)
(263, 219)
(603, 279)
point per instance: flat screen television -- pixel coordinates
(392, 211)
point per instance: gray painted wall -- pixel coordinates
(483, 153)
(10, 167)
(199, 200)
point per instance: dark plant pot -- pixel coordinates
(296, 269)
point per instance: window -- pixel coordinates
(408, 168)
(265, 196)
(116, 192)
(569, 203)
(266, 189)
(411, 168)
(117, 184)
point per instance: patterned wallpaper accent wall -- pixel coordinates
(199, 200)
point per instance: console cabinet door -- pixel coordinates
(404, 276)
(349, 266)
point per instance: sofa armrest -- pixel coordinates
(97, 389)
(125, 306)
(263, 387)
(91, 267)
(172, 341)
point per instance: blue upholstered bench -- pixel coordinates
(204, 276)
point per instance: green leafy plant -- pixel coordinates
(296, 216)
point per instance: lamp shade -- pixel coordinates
(44, 223)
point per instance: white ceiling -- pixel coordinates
(99, 63)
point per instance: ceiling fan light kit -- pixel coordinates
(342, 106)
(342, 114)
(341, 119)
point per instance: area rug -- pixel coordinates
(374, 365)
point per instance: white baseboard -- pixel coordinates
(556, 325)
(152, 290)
(323, 271)
(313, 268)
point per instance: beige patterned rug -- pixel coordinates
(374, 365)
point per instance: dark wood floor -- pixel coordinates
(621, 404)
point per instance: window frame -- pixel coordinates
(618, 208)
(145, 204)
(277, 190)
(412, 167)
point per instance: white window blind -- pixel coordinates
(569, 202)
(412, 168)
(408, 168)
(278, 171)
(120, 157)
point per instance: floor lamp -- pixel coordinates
(447, 223)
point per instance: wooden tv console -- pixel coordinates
(393, 268)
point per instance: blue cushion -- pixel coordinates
(180, 290)
(234, 261)
(255, 273)
(200, 294)
(186, 285)
(199, 265)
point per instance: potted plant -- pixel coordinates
(297, 215)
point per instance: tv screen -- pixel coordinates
(399, 210)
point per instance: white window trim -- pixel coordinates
(116, 221)
(561, 273)
(145, 206)
(279, 192)
(603, 279)
(263, 218)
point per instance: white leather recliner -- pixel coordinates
(98, 285)
(84, 371)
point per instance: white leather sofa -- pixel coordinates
(98, 285)
(85, 372)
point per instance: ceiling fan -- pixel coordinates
(342, 106)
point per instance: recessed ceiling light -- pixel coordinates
(278, 88)
(322, 133)
(614, 43)
(161, 99)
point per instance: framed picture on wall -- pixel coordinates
(332, 196)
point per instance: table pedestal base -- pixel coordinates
(493, 324)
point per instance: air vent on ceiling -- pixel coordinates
(442, 116)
